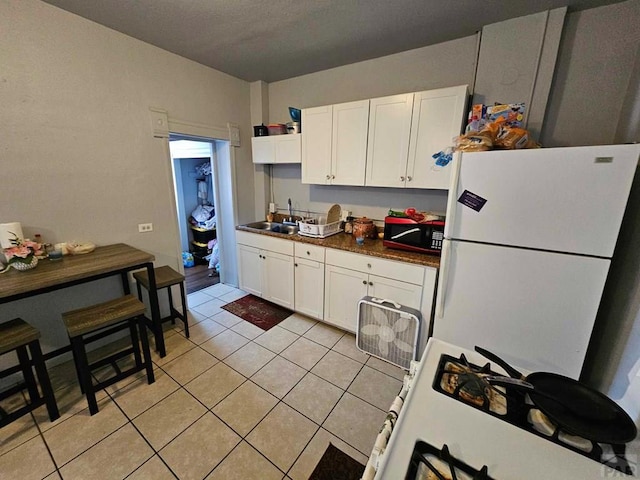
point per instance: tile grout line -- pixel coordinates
(319, 426)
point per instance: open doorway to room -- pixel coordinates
(201, 197)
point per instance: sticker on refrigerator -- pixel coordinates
(471, 200)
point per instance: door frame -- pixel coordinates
(225, 199)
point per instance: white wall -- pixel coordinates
(443, 65)
(78, 158)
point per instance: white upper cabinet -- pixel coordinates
(383, 142)
(388, 144)
(349, 146)
(316, 144)
(334, 143)
(276, 149)
(438, 117)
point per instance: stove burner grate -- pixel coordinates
(430, 463)
(466, 382)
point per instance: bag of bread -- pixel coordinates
(473, 142)
(511, 138)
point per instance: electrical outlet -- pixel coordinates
(145, 227)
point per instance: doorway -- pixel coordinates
(202, 194)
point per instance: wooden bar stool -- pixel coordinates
(166, 277)
(91, 323)
(17, 335)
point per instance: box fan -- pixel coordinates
(388, 330)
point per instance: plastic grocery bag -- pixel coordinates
(187, 259)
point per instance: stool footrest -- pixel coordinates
(111, 359)
(118, 377)
(10, 417)
(13, 390)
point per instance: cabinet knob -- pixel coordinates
(371, 284)
(402, 179)
(332, 177)
(409, 179)
(308, 252)
(368, 265)
(328, 177)
(364, 282)
(295, 264)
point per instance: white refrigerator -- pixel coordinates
(529, 237)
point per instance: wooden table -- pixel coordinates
(106, 261)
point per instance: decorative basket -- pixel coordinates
(25, 266)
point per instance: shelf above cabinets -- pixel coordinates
(277, 148)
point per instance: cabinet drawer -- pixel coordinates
(310, 252)
(265, 242)
(377, 266)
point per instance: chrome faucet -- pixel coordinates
(290, 219)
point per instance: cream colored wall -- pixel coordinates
(78, 158)
(594, 67)
(443, 65)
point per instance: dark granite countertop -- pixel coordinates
(343, 241)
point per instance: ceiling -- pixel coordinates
(277, 39)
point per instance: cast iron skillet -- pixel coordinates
(572, 405)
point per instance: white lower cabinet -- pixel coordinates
(309, 279)
(309, 287)
(326, 284)
(277, 278)
(342, 290)
(265, 267)
(406, 294)
(344, 287)
(250, 269)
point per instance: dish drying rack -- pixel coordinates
(318, 230)
(322, 229)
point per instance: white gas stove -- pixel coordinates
(478, 435)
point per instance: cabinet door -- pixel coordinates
(263, 150)
(406, 294)
(342, 290)
(277, 278)
(438, 117)
(316, 144)
(287, 148)
(388, 143)
(250, 269)
(309, 287)
(349, 143)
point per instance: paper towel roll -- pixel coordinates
(8, 231)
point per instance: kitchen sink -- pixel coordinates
(274, 227)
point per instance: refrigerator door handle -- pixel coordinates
(453, 194)
(444, 274)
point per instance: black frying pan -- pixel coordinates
(575, 407)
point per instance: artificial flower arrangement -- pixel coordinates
(23, 255)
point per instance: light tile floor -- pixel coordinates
(231, 402)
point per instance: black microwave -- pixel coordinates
(406, 234)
